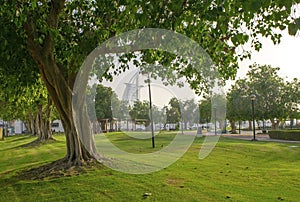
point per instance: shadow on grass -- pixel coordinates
(38, 142)
(51, 170)
(15, 141)
(34, 143)
(57, 169)
(19, 138)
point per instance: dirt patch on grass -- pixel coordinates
(175, 182)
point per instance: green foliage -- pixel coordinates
(24, 102)
(82, 25)
(103, 102)
(275, 98)
(291, 98)
(285, 134)
(158, 115)
(268, 87)
(190, 111)
(22, 91)
(140, 112)
(173, 111)
(238, 102)
(293, 29)
(205, 110)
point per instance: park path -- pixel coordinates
(248, 135)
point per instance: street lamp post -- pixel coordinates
(215, 117)
(151, 115)
(111, 118)
(253, 97)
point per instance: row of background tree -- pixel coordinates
(276, 100)
(108, 106)
(27, 101)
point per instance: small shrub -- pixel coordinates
(285, 134)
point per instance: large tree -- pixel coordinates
(23, 94)
(238, 103)
(29, 103)
(103, 102)
(268, 87)
(275, 99)
(139, 112)
(190, 112)
(205, 110)
(173, 112)
(59, 34)
(291, 96)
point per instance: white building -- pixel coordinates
(19, 127)
(56, 126)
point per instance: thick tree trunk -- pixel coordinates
(250, 125)
(80, 144)
(30, 126)
(59, 82)
(37, 127)
(79, 148)
(291, 122)
(233, 128)
(275, 124)
(43, 124)
(185, 125)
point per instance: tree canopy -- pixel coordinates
(275, 99)
(57, 35)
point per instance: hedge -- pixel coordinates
(285, 134)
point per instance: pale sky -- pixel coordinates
(284, 55)
(161, 94)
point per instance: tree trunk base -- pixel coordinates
(59, 168)
(233, 132)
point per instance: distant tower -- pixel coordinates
(132, 89)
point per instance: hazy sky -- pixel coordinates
(284, 55)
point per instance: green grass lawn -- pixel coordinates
(236, 170)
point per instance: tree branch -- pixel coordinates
(52, 21)
(33, 47)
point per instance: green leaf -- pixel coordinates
(292, 28)
(255, 5)
(282, 27)
(297, 21)
(34, 4)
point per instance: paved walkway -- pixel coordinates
(248, 135)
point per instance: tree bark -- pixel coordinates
(275, 124)
(59, 84)
(250, 125)
(43, 124)
(233, 128)
(30, 126)
(61, 93)
(185, 125)
(291, 122)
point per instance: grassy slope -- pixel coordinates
(235, 171)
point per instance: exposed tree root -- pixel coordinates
(57, 169)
